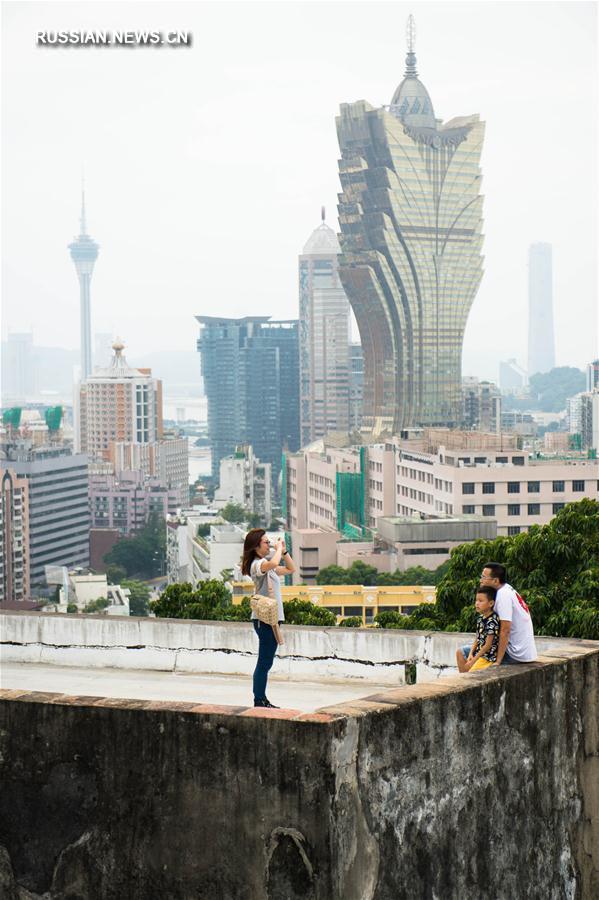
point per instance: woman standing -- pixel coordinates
(265, 568)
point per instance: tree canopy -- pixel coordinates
(139, 597)
(145, 553)
(555, 567)
(361, 573)
(553, 388)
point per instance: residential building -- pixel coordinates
(482, 405)
(323, 338)
(126, 501)
(589, 431)
(541, 337)
(250, 368)
(356, 386)
(57, 488)
(246, 481)
(192, 556)
(593, 376)
(84, 252)
(410, 214)
(118, 404)
(85, 589)
(14, 536)
(512, 377)
(18, 368)
(574, 413)
(166, 459)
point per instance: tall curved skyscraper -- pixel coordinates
(410, 215)
(84, 252)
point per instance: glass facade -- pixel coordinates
(251, 379)
(410, 215)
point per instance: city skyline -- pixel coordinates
(170, 196)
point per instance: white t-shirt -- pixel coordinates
(262, 581)
(510, 607)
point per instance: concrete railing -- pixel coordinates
(228, 648)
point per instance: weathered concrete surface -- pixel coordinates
(175, 645)
(483, 785)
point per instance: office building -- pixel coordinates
(541, 338)
(250, 368)
(57, 488)
(14, 536)
(118, 404)
(244, 480)
(410, 214)
(84, 252)
(324, 338)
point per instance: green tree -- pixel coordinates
(96, 606)
(210, 600)
(115, 574)
(144, 554)
(302, 612)
(351, 622)
(555, 567)
(361, 573)
(553, 388)
(332, 575)
(139, 598)
(234, 512)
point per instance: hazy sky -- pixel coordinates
(206, 167)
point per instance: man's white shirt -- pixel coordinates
(510, 607)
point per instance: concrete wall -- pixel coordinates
(226, 647)
(481, 786)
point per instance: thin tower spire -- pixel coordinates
(411, 44)
(82, 220)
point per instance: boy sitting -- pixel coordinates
(483, 652)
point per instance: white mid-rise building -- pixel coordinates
(246, 481)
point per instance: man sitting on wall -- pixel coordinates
(516, 635)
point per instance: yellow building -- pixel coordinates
(351, 599)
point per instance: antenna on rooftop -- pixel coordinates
(322, 213)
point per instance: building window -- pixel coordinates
(578, 485)
(534, 509)
(513, 509)
(513, 529)
(488, 487)
(534, 487)
(468, 487)
(559, 486)
(488, 509)
(468, 510)
(513, 487)
(557, 507)
(480, 459)
(501, 459)
(518, 460)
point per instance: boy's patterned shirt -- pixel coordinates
(485, 627)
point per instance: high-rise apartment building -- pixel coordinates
(127, 501)
(250, 368)
(589, 425)
(324, 338)
(84, 252)
(14, 536)
(118, 403)
(57, 490)
(482, 405)
(246, 481)
(410, 215)
(356, 386)
(593, 375)
(18, 368)
(541, 338)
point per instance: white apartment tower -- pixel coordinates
(324, 338)
(118, 404)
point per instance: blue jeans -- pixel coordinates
(507, 659)
(267, 647)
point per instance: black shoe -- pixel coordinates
(265, 703)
